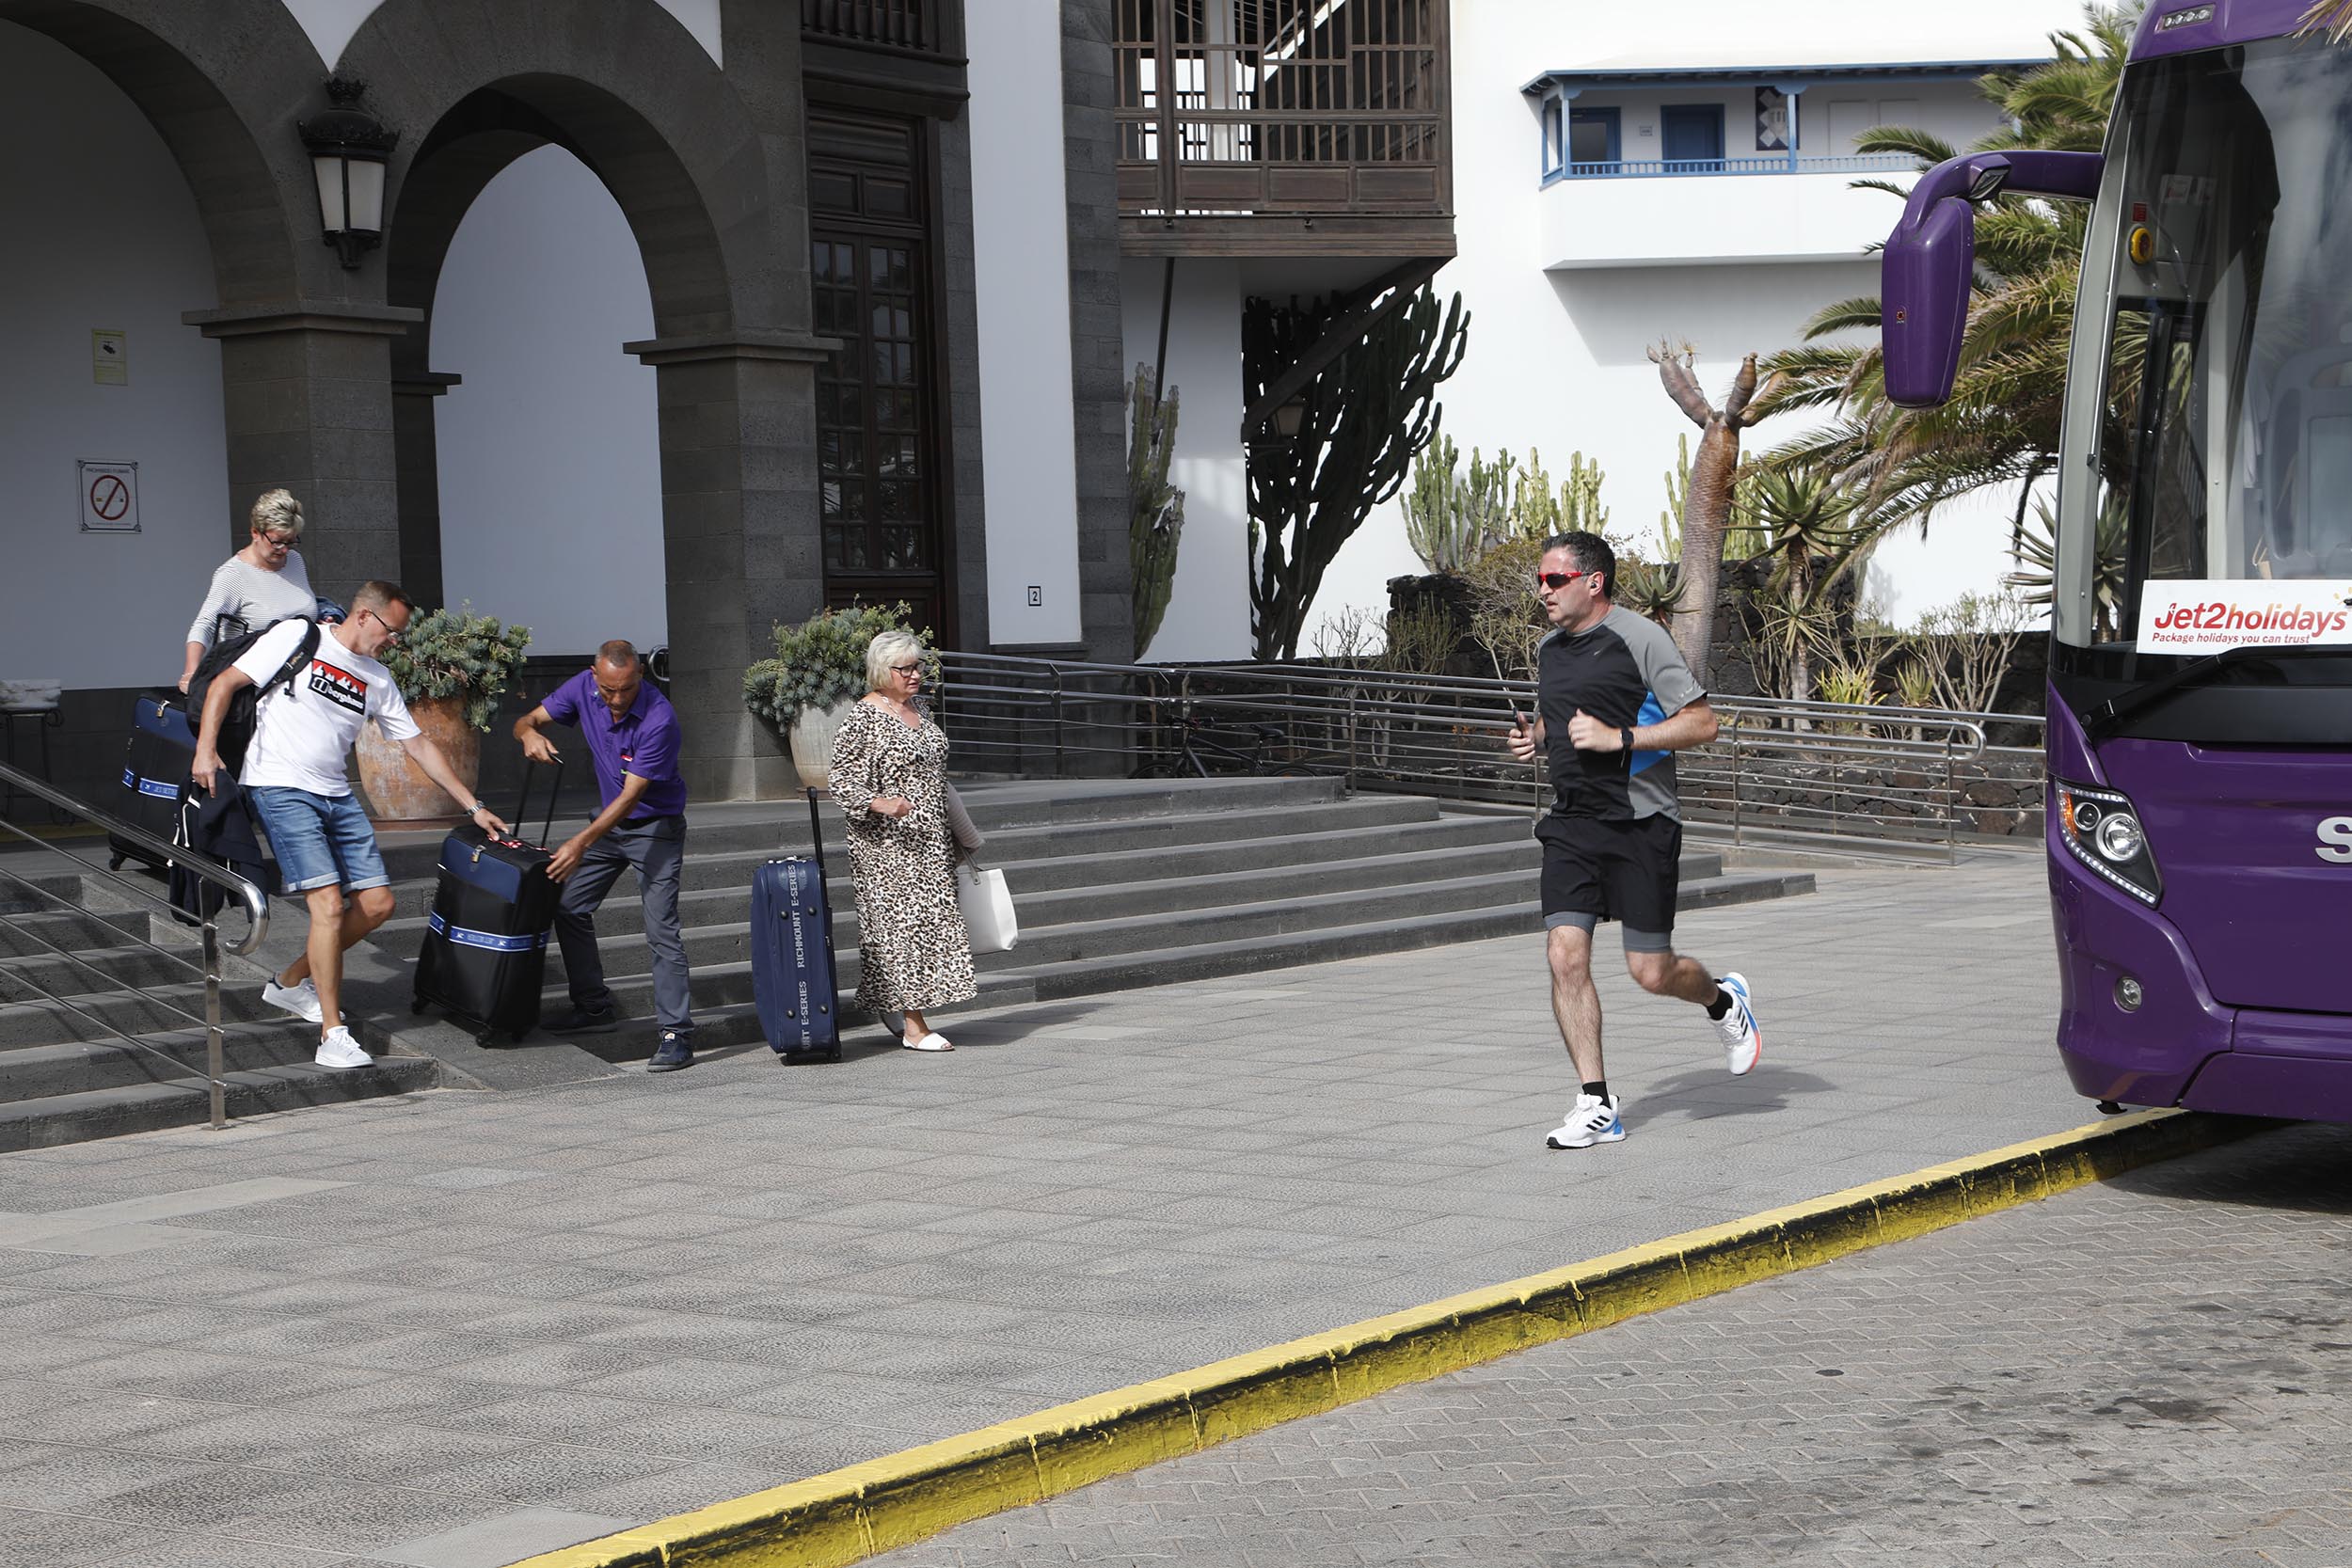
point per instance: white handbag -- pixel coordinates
(987, 905)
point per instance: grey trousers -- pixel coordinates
(657, 852)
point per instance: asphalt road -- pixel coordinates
(2150, 1371)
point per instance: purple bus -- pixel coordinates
(2199, 700)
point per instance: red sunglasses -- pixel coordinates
(1557, 580)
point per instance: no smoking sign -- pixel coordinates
(110, 496)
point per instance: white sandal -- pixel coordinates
(931, 1042)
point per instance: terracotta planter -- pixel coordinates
(398, 794)
(812, 742)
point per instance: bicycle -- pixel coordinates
(1202, 748)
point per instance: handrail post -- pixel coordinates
(214, 1064)
(1061, 753)
(1951, 802)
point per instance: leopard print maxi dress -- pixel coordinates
(913, 949)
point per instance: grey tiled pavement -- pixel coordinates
(2150, 1372)
(455, 1329)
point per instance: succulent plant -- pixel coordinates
(454, 653)
(822, 661)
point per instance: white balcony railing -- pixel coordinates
(1652, 168)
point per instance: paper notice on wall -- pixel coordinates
(2210, 616)
(110, 356)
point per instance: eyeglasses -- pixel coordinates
(1558, 579)
(392, 632)
(912, 672)
(279, 541)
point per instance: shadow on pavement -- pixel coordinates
(2305, 1166)
(1704, 1094)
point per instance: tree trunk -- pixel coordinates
(1706, 519)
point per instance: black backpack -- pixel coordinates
(236, 725)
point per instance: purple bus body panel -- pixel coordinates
(2233, 22)
(2231, 832)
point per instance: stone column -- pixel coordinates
(743, 545)
(418, 462)
(309, 406)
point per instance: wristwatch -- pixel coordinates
(476, 808)
(1625, 736)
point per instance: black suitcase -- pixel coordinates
(484, 956)
(155, 765)
(794, 981)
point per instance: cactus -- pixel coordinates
(1581, 511)
(1428, 503)
(1155, 516)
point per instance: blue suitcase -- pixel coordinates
(156, 765)
(485, 955)
(793, 978)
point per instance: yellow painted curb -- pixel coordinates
(846, 1514)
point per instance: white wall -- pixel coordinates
(330, 24)
(551, 459)
(1021, 262)
(1555, 360)
(1208, 611)
(100, 230)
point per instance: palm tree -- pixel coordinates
(1814, 541)
(2001, 424)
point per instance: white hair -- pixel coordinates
(888, 649)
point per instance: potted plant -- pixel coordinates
(818, 669)
(451, 666)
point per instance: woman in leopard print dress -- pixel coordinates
(889, 776)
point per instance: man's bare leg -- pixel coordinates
(1575, 1004)
(336, 924)
(1672, 975)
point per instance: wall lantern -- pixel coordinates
(1288, 417)
(348, 149)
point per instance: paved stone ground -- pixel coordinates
(457, 1329)
(2152, 1372)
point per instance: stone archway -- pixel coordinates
(706, 169)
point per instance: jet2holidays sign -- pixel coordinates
(2213, 615)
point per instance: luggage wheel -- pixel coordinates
(489, 1039)
(114, 861)
(416, 1005)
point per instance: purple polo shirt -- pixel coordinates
(643, 741)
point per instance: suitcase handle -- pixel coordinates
(522, 803)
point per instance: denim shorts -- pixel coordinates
(320, 840)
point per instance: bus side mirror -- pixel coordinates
(1931, 259)
(1923, 297)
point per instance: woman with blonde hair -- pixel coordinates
(889, 776)
(265, 581)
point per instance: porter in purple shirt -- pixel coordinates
(643, 741)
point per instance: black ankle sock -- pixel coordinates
(1597, 1088)
(1722, 1004)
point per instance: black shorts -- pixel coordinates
(1625, 871)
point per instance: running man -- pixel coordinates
(1614, 701)
(294, 773)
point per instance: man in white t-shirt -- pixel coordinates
(293, 774)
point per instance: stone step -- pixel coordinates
(34, 976)
(39, 1071)
(1146, 809)
(735, 1019)
(144, 1107)
(32, 935)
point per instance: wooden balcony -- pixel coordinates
(908, 26)
(1284, 128)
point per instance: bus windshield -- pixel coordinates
(2226, 449)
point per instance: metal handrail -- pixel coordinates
(250, 898)
(1891, 774)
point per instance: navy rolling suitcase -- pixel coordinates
(484, 957)
(793, 968)
(155, 765)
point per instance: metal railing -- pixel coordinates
(1650, 168)
(915, 26)
(1779, 771)
(248, 898)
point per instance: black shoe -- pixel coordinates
(674, 1053)
(583, 1020)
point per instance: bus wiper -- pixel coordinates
(2098, 720)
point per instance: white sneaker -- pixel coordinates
(302, 1000)
(338, 1050)
(1743, 1041)
(1590, 1120)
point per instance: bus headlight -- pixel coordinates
(2104, 833)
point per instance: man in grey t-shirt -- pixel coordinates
(1615, 703)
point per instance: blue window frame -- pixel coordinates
(1594, 140)
(1692, 134)
(1555, 138)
